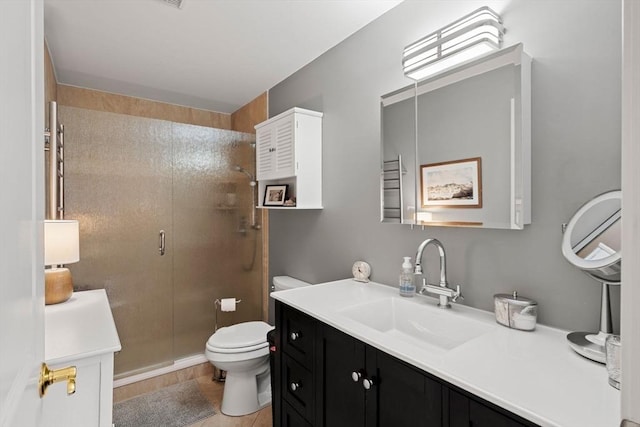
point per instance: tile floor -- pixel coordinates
(212, 390)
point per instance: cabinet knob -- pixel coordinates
(367, 383)
(295, 386)
(294, 336)
(356, 376)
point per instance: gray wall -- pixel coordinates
(576, 71)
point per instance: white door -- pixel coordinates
(630, 289)
(21, 211)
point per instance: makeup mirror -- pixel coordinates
(592, 242)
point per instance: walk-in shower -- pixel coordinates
(130, 177)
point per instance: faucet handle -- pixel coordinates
(457, 294)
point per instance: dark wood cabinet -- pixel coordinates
(291, 418)
(362, 386)
(465, 411)
(341, 400)
(405, 395)
(294, 378)
(331, 379)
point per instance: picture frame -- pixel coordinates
(275, 195)
(452, 184)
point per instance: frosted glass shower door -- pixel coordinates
(118, 177)
(216, 252)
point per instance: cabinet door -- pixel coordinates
(265, 167)
(297, 387)
(483, 416)
(298, 336)
(290, 418)
(341, 400)
(402, 395)
(83, 407)
(284, 153)
(464, 412)
(275, 151)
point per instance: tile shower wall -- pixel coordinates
(130, 177)
(114, 103)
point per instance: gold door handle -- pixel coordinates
(48, 377)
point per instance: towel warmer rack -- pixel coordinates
(54, 144)
(392, 203)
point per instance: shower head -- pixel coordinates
(244, 171)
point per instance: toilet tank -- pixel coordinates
(281, 283)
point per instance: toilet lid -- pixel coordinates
(241, 335)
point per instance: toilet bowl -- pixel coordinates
(243, 352)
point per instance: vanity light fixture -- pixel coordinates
(473, 35)
(61, 246)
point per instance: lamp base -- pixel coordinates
(58, 286)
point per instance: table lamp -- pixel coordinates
(61, 246)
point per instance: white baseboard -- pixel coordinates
(187, 362)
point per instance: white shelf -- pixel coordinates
(288, 208)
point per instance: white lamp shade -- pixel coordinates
(61, 242)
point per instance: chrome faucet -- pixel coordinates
(443, 291)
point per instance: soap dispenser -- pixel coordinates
(407, 288)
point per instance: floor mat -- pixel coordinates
(175, 406)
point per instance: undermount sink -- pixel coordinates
(413, 321)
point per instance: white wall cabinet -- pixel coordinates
(289, 152)
(81, 332)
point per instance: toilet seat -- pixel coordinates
(237, 356)
(246, 336)
(236, 350)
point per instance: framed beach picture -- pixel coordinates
(453, 184)
(275, 195)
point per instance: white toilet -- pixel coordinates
(242, 350)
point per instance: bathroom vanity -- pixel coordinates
(81, 332)
(356, 354)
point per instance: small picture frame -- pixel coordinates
(453, 184)
(275, 195)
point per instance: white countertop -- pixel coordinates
(80, 327)
(533, 374)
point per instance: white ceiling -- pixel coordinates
(212, 54)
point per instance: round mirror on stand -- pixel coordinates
(591, 242)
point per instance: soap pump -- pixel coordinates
(407, 288)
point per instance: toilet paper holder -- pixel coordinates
(217, 304)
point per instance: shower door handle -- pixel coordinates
(161, 249)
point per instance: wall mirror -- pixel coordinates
(592, 242)
(456, 147)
